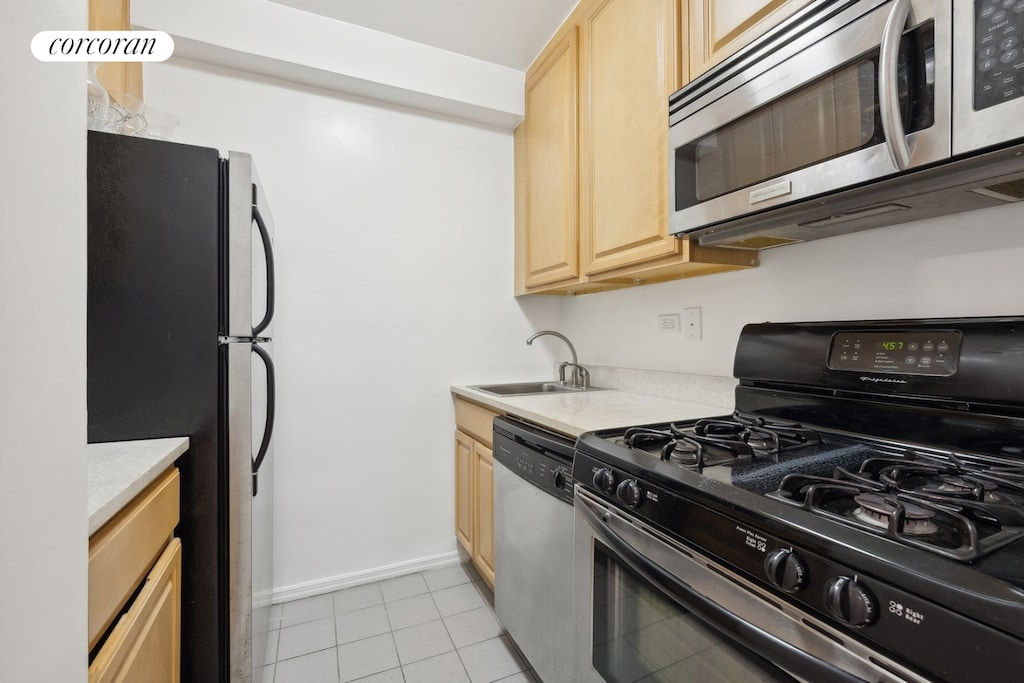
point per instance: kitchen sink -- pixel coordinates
(524, 388)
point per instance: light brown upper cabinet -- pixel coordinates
(592, 155)
(550, 156)
(117, 77)
(721, 27)
(629, 67)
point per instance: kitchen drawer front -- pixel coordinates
(122, 552)
(474, 420)
(145, 645)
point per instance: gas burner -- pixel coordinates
(965, 486)
(687, 447)
(683, 451)
(670, 444)
(883, 511)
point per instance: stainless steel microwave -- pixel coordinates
(854, 114)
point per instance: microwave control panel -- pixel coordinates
(998, 52)
(932, 353)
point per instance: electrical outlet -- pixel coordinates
(668, 322)
(691, 324)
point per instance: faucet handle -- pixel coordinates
(580, 375)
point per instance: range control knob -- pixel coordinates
(630, 493)
(604, 480)
(559, 479)
(850, 601)
(786, 569)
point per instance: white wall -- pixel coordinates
(302, 47)
(43, 530)
(394, 248)
(964, 265)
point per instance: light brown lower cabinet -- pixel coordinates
(146, 643)
(483, 545)
(135, 590)
(474, 485)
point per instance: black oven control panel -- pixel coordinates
(929, 352)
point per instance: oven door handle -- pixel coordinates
(784, 655)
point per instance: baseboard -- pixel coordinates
(336, 583)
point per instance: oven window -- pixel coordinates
(642, 636)
(836, 114)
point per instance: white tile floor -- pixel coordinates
(436, 626)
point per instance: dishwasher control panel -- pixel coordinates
(541, 458)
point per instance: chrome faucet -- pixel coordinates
(580, 375)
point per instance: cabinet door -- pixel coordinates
(718, 28)
(552, 226)
(464, 490)
(146, 644)
(117, 77)
(629, 58)
(483, 547)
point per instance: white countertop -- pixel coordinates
(120, 470)
(573, 413)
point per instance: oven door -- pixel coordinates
(647, 609)
(861, 95)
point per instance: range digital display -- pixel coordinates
(933, 352)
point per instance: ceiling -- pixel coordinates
(507, 32)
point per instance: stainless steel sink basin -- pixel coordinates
(525, 388)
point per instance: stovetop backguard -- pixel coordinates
(787, 371)
(984, 362)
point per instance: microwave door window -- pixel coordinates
(833, 118)
(835, 114)
(737, 155)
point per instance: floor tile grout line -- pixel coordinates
(337, 652)
(391, 630)
(454, 648)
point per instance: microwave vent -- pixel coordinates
(759, 242)
(1012, 191)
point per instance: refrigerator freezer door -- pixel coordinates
(250, 254)
(250, 519)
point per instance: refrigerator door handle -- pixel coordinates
(268, 250)
(268, 429)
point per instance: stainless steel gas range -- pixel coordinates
(860, 517)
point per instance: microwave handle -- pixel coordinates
(888, 84)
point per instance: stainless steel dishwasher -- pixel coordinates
(533, 527)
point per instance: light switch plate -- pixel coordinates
(691, 324)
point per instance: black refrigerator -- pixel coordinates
(180, 304)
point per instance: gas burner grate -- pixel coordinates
(718, 441)
(938, 502)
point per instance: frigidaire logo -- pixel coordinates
(886, 380)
